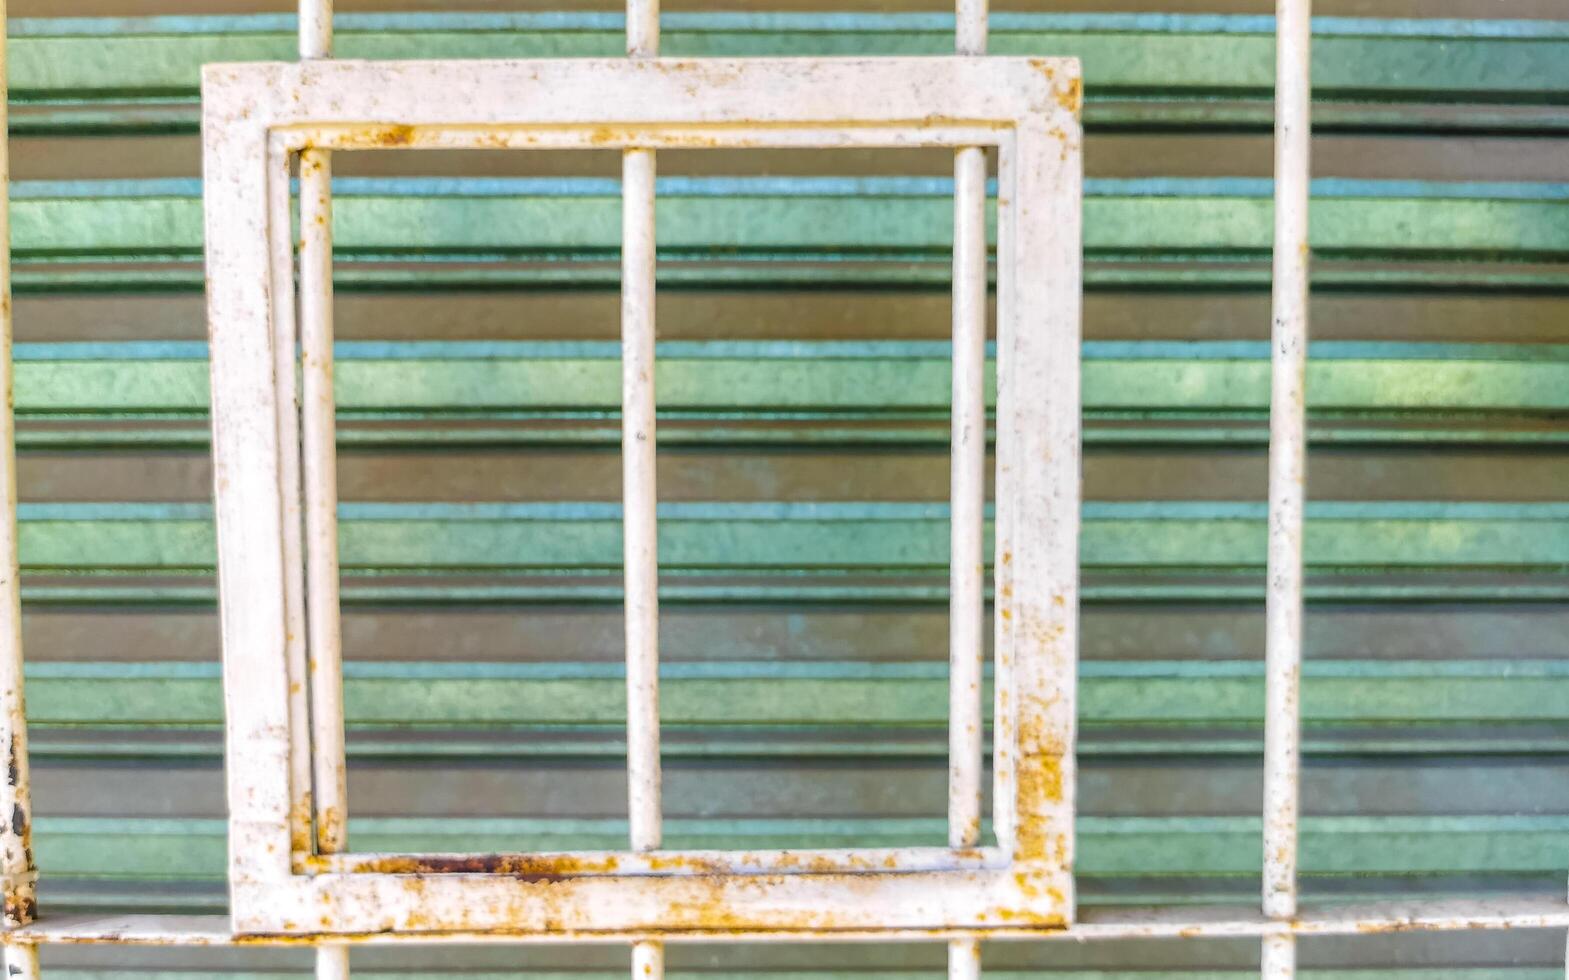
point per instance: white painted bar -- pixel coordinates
(967, 497)
(639, 490)
(17, 873)
(1287, 476)
(319, 449)
(284, 333)
(21, 962)
(1043, 423)
(318, 416)
(640, 493)
(967, 573)
(1278, 958)
(315, 28)
(332, 962)
(970, 26)
(676, 862)
(1107, 924)
(964, 959)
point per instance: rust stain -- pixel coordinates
(528, 867)
(1072, 98)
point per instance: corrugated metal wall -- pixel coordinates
(805, 625)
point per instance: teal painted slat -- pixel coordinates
(1107, 847)
(394, 695)
(453, 219)
(730, 378)
(1124, 56)
(786, 538)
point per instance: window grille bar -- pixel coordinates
(319, 450)
(967, 576)
(16, 851)
(21, 962)
(1287, 472)
(284, 333)
(639, 490)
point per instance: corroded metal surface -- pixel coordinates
(17, 871)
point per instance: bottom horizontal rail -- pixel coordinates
(1094, 924)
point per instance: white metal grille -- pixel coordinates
(292, 872)
(257, 117)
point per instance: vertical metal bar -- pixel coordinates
(639, 493)
(639, 499)
(967, 498)
(1287, 465)
(332, 963)
(16, 801)
(21, 962)
(319, 450)
(1279, 958)
(315, 29)
(281, 246)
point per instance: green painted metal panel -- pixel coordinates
(1107, 846)
(869, 378)
(734, 537)
(393, 695)
(863, 218)
(1123, 54)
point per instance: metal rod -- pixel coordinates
(1279, 960)
(332, 962)
(639, 496)
(967, 560)
(964, 959)
(315, 29)
(966, 603)
(320, 458)
(281, 245)
(319, 451)
(16, 805)
(21, 962)
(1287, 466)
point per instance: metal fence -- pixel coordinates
(312, 602)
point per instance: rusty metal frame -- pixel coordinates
(282, 879)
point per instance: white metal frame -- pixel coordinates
(284, 877)
(316, 814)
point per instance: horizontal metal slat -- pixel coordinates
(900, 219)
(803, 538)
(152, 849)
(731, 379)
(1124, 55)
(545, 695)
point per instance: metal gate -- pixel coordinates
(292, 875)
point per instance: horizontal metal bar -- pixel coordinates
(1093, 925)
(667, 862)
